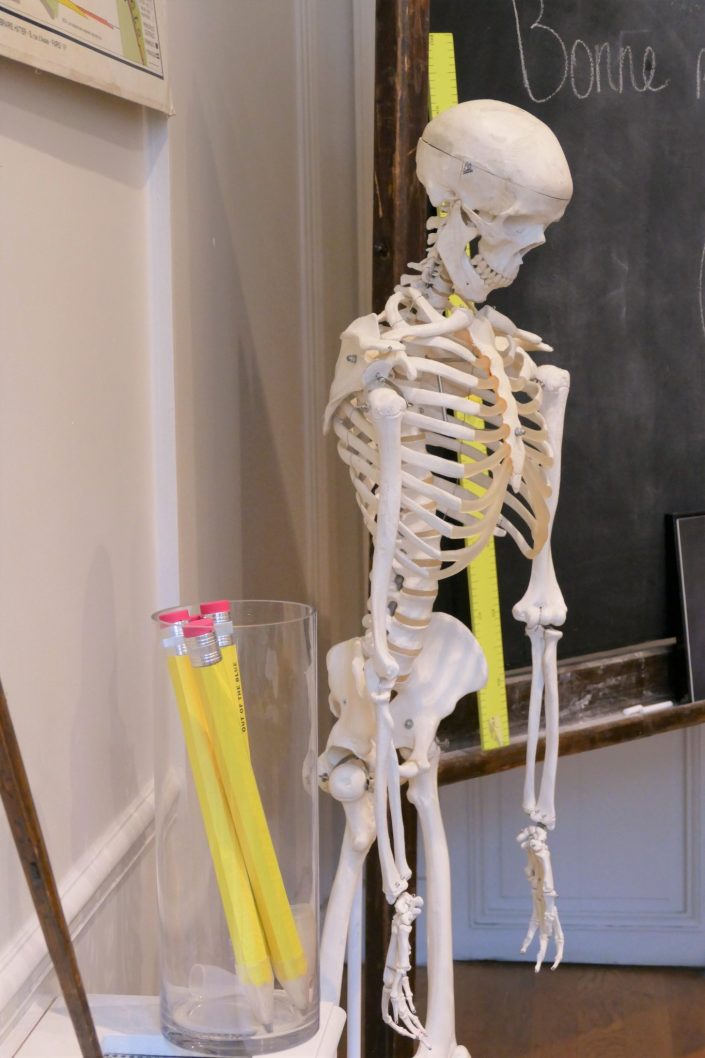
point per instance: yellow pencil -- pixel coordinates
(219, 613)
(232, 754)
(244, 925)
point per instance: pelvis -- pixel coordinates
(450, 665)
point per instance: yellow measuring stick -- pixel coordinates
(442, 78)
(482, 572)
(244, 926)
(214, 678)
(487, 624)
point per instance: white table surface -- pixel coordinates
(122, 1017)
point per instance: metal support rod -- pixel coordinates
(354, 989)
(26, 831)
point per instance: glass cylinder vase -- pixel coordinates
(237, 827)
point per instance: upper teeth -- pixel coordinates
(487, 273)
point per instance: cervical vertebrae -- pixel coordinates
(433, 280)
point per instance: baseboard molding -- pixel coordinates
(24, 961)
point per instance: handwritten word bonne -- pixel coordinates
(586, 68)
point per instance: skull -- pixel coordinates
(500, 177)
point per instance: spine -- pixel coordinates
(433, 280)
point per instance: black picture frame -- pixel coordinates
(689, 541)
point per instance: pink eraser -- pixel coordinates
(221, 606)
(198, 627)
(174, 616)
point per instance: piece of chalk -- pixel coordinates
(639, 710)
(657, 706)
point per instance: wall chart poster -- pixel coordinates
(113, 45)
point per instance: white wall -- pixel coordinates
(160, 418)
(77, 562)
(265, 278)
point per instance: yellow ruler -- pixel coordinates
(482, 572)
(442, 80)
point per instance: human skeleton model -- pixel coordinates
(411, 390)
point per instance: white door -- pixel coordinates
(628, 857)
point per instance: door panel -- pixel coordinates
(627, 856)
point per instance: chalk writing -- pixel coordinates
(539, 26)
(700, 74)
(589, 68)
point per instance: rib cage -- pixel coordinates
(443, 497)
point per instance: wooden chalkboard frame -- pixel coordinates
(34, 858)
(399, 211)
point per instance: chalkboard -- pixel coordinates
(618, 289)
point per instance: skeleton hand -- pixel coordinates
(544, 915)
(396, 991)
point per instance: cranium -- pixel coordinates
(500, 177)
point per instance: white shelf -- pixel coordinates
(122, 1020)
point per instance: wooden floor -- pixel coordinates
(504, 1010)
